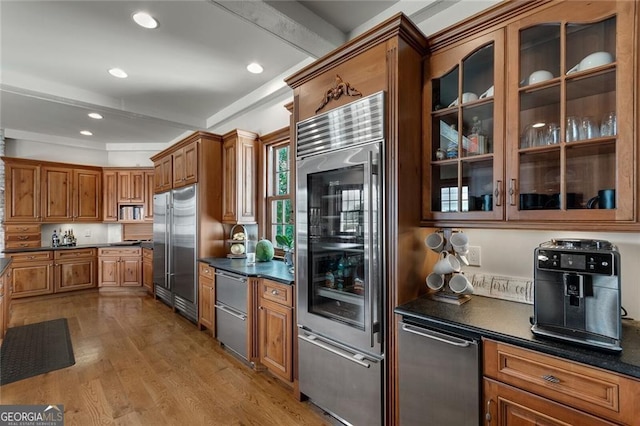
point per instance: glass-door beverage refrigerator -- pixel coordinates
(339, 275)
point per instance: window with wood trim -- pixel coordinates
(279, 200)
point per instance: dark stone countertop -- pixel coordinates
(508, 322)
(147, 244)
(79, 246)
(4, 264)
(274, 270)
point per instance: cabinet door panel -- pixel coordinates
(88, 195)
(110, 202)
(32, 279)
(109, 272)
(22, 198)
(131, 273)
(178, 160)
(275, 334)
(191, 163)
(206, 302)
(57, 194)
(79, 274)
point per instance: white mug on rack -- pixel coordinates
(435, 241)
(447, 264)
(435, 281)
(460, 243)
(460, 284)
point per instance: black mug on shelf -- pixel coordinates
(606, 199)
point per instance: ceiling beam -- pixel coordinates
(292, 23)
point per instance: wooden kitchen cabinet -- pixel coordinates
(275, 328)
(464, 163)
(240, 180)
(147, 269)
(551, 176)
(75, 269)
(71, 194)
(206, 297)
(523, 386)
(162, 174)
(5, 301)
(127, 195)
(149, 181)
(119, 267)
(185, 165)
(22, 191)
(22, 235)
(509, 406)
(131, 186)
(31, 274)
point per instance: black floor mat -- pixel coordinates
(35, 349)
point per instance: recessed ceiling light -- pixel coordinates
(117, 72)
(145, 20)
(86, 133)
(95, 115)
(254, 68)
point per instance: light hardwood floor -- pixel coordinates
(138, 363)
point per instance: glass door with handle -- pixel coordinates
(339, 243)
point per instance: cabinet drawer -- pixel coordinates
(72, 254)
(147, 254)
(276, 292)
(22, 244)
(115, 251)
(31, 256)
(590, 389)
(22, 229)
(21, 237)
(205, 269)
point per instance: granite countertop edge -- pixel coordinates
(275, 270)
(518, 332)
(143, 244)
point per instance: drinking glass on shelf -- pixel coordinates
(572, 130)
(552, 134)
(588, 128)
(609, 125)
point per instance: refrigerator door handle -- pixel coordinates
(450, 340)
(373, 260)
(357, 358)
(230, 312)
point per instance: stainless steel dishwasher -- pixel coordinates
(439, 377)
(231, 312)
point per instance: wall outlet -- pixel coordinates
(474, 256)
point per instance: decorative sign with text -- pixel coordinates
(507, 288)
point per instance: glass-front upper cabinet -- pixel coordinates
(464, 131)
(570, 114)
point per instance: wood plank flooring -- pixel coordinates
(138, 363)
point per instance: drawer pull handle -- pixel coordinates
(550, 378)
(23, 237)
(274, 292)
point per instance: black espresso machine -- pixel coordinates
(577, 292)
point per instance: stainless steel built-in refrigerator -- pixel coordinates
(174, 249)
(339, 268)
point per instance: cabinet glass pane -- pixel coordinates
(477, 181)
(446, 135)
(477, 125)
(540, 117)
(539, 180)
(590, 168)
(539, 53)
(477, 72)
(445, 90)
(591, 102)
(445, 195)
(590, 45)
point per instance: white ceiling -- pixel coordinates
(188, 74)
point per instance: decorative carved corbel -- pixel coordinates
(339, 88)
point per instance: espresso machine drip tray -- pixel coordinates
(578, 244)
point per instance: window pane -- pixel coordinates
(281, 171)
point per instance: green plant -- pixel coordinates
(284, 241)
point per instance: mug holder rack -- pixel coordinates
(445, 294)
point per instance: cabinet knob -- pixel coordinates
(274, 292)
(551, 379)
(487, 415)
